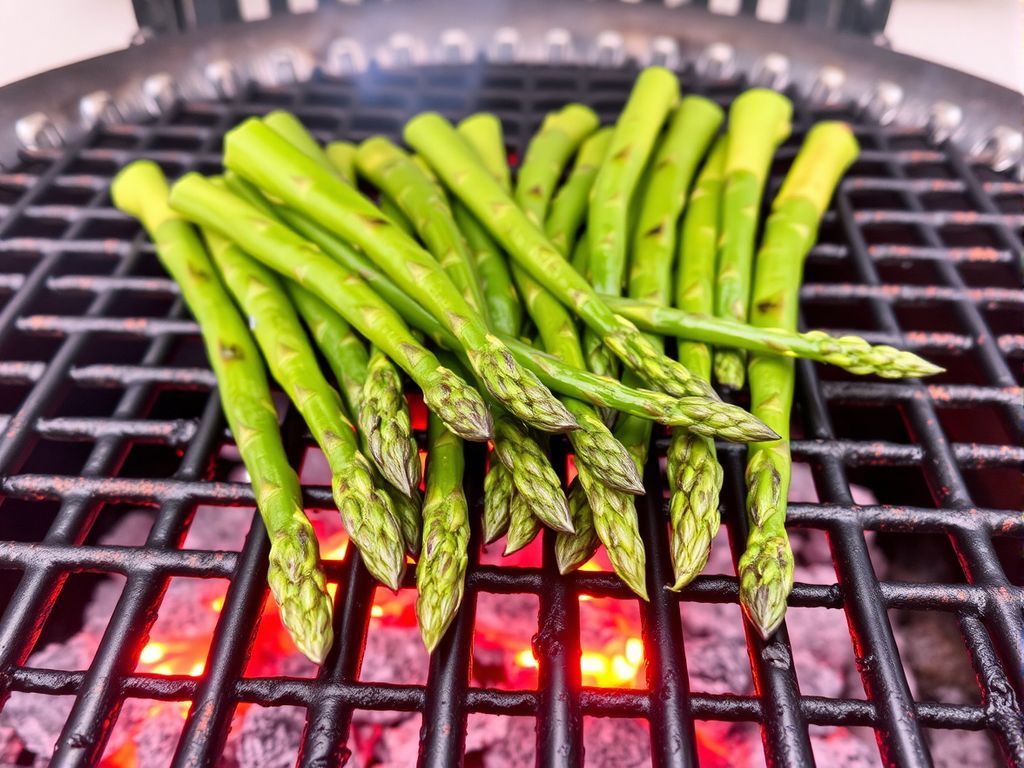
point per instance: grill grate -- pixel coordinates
(921, 249)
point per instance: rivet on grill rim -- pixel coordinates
(717, 62)
(505, 45)
(456, 47)
(558, 46)
(158, 93)
(283, 66)
(943, 120)
(223, 76)
(37, 131)
(344, 56)
(883, 102)
(664, 52)
(97, 107)
(1002, 149)
(828, 85)
(609, 49)
(403, 50)
(771, 71)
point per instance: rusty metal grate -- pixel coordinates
(107, 401)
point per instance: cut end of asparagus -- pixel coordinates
(518, 389)
(766, 579)
(458, 405)
(140, 189)
(730, 370)
(297, 583)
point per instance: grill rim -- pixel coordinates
(61, 105)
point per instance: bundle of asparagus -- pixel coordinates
(437, 277)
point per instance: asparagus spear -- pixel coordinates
(654, 94)
(295, 575)
(365, 510)
(758, 123)
(290, 128)
(274, 244)
(342, 156)
(384, 419)
(523, 525)
(348, 360)
(694, 474)
(396, 215)
(534, 479)
(396, 174)
(569, 206)
(441, 570)
(258, 153)
(483, 132)
(574, 549)
(687, 137)
(499, 293)
(498, 492)
(456, 165)
(851, 353)
(614, 517)
(766, 567)
(694, 413)
(548, 153)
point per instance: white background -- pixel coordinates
(983, 37)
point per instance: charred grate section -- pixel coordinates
(106, 401)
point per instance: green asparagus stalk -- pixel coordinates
(396, 174)
(534, 479)
(758, 123)
(574, 549)
(686, 139)
(523, 525)
(342, 156)
(766, 567)
(456, 165)
(384, 419)
(614, 519)
(396, 215)
(483, 131)
(274, 244)
(569, 206)
(290, 128)
(546, 157)
(366, 512)
(695, 413)
(581, 257)
(441, 570)
(258, 153)
(348, 360)
(499, 293)
(498, 492)
(654, 94)
(694, 474)
(851, 353)
(295, 574)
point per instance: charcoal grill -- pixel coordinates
(108, 401)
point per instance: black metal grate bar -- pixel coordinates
(921, 249)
